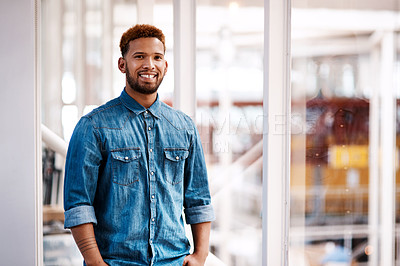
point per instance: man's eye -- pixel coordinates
(158, 57)
(139, 56)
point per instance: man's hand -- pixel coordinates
(201, 234)
(194, 259)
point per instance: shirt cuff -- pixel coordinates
(199, 214)
(79, 215)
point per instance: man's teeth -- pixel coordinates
(148, 76)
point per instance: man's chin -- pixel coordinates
(147, 91)
(144, 88)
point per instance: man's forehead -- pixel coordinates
(148, 44)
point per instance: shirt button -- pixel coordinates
(152, 173)
(126, 157)
(152, 196)
(149, 128)
(146, 112)
(152, 219)
(151, 242)
(151, 150)
(177, 157)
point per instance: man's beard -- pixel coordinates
(134, 84)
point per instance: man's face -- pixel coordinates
(144, 65)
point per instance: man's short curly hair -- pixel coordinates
(140, 31)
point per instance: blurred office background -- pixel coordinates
(345, 127)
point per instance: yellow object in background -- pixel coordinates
(354, 156)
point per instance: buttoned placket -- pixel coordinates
(149, 125)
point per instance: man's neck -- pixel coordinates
(145, 100)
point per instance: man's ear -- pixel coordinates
(166, 67)
(122, 65)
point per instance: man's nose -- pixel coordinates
(148, 63)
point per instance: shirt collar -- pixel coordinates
(137, 108)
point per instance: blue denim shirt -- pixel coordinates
(131, 171)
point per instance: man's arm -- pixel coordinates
(80, 183)
(201, 237)
(86, 242)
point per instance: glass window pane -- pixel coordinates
(339, 106)
(229, 87)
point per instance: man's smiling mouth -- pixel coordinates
(148, 76)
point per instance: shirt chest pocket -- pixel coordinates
(125, 166)
(174, 164)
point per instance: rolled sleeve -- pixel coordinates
(199, 214)
(79, 215)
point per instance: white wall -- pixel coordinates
(18, 138)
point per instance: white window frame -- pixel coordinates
(276, 137)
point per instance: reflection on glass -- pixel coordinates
(333, 80)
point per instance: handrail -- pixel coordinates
(53, 141)
(240, 174)
(249, 160)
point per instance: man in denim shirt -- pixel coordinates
(133, 166)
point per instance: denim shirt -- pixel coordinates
(132, 171)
